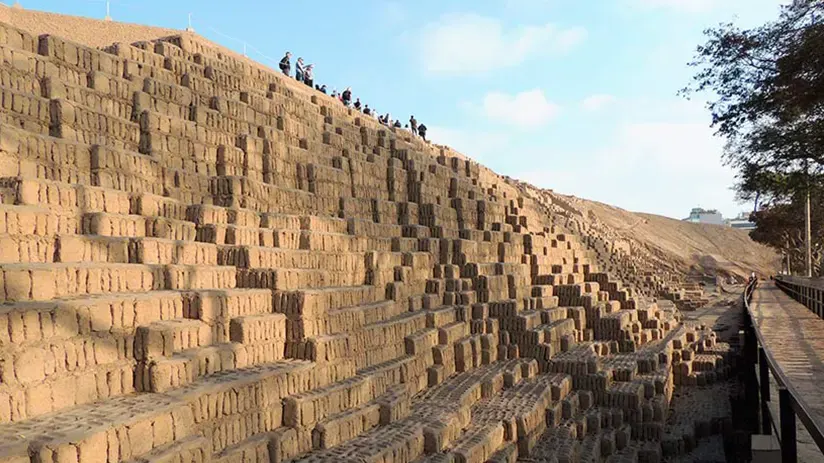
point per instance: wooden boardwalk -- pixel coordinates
(795, 337)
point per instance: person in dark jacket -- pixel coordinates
(285, 65)
(307, 75)
(367, 111)
(323, 89)
(357, 104)
(422, 131)
(397, 124)
(346, 97)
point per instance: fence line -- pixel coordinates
(790, 403)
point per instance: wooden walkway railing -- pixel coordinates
(786, 341)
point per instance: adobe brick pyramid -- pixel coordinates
(202, 261)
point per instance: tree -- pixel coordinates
(768, 85)
(766, 75)
(769, 88)
(781, 226)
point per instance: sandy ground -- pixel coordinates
(725, 316)
(87, 31)
(701, 245)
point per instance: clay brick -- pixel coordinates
(174, 173)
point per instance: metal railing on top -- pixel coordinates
(790, 402)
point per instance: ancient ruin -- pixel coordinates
(203, 261)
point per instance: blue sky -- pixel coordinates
(574, 95)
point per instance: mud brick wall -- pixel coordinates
(201, 260)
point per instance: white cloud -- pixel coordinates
(526, 110)
(469, 43)
(597, 102)
(663, 160)
(480, 146)
(656, 156)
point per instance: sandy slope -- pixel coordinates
(87, 31)
(701, 245)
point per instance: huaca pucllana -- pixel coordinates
(202, 260)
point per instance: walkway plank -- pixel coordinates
(795, 337)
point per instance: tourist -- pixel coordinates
(323, 89)
(422, 131)
(413, 124)
(307, 75)
(367, 111)
(334, 94)
(285, 66)
(346, 97)
(357, 104)
(397, 124)
(299, 69)
(388, 119)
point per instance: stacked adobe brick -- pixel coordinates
(201, 261)
(645, 268)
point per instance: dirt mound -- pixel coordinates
(705, 248)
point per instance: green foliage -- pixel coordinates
(767, 87)
(782, 227)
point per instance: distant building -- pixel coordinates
(711, 216)
(742, 222)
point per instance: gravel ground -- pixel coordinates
(709, 450)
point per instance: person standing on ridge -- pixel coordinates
(307, 75)
(346, 97)
(357, 104)
(367, 111)
(422, 131)
(299, 69)
(285, 66)
(397, 124)
(413, 124)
